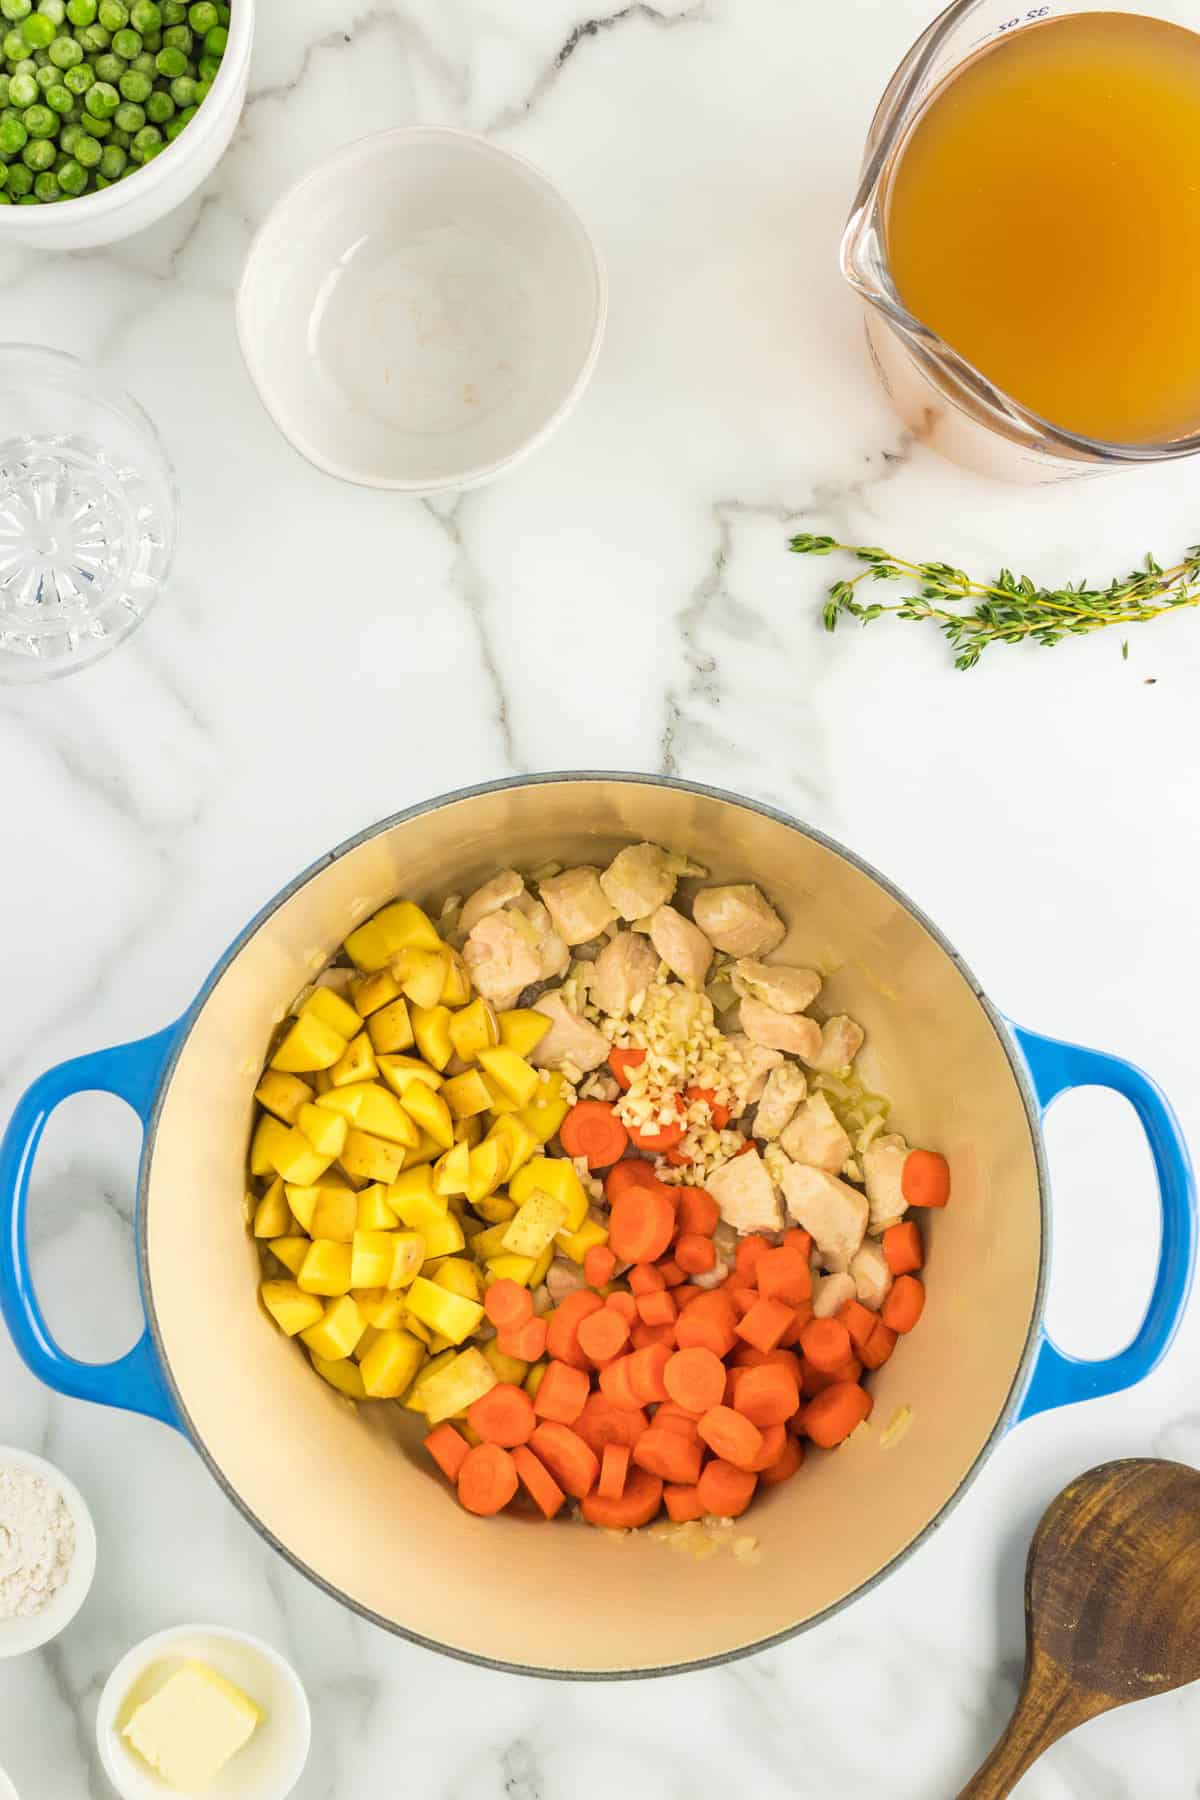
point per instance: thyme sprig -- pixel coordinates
(1009, 609)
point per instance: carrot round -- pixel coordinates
(572, 1462)
(562, 1335)
(695, 1379)
(790, 1459)
(508, 1303)
(747, 1357)
(725, 1490)
(784, 1274)
(859, 1321)
(904, 1304)
(637, 1505)
(878, 1347)
(834, 1414)
(671, 1272)
(641, 1224)
(657, 1137)
(526, 1342)
(670, 1417)
(601, 1423)
(504, 1416)
(447, 1448)
(742, 1299)
(646, 1278)
(622, 1061)
(697, 1212)
(487, 1480)
(669, 1455)
(623, 1303)
(616, 1387)
(746, 1257)
(800, 1316)
(703, 1325)
(602, 1335)
(825, 1343)
(657, 1308)
(774, 1438)
(695, 1253)
(633, 1172)
(614, 1469)
(765, 1323)
(538, 1482)
(815, 1381)
(902, 1248)
(799, 1240)
(593, 1130)
(562, 1393)
(682, 1503)
(925, 1178)
(646, 1373)
(599, 1266)
(643, 1335)
(767, 1395)
(730, 1435)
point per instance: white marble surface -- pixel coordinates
(1042, 809)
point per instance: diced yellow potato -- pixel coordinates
(370, 1259)
(346, 1102)
(442, 1310)
(326, 1268)
(343, 1375)
(460, 1277)
(475, 1028)
(418, 1329)
(368, 947)
(486, 1169)
(465, 1427)
(334, 1217)
(322, 1081)
(414, 1400)
(429, 1111)
(381, 1114)
(310, 1044)
(533, 1380)
(548, 1108)
(508, 1368)
(390, 1364)
(466, 1095)
(497, 1209)
(338, 1332)
(576, 1244)
(291, 1252)
(390, 1029)
(302, 1199)
(272, 1215)
(553, 1175)
(451, 1389)
(297, 1161)
(431, 1029)
(325, 1131)
(399, 1071)
(510, 1267)
(333, 1011)
(541, 1267)
(409, 1249)
(374, 991)
(438, 1343)
(369, 1337)
(374, 1213)
(519, 1143)
(380, 1308)
(522, 1029)
(537, 1221)
(511, 1073)
(356, 1065)
(442, 1233)
(282, 1095)
(404, 924)
(370, 1157)
(291, 1308)
(469, 1131)
(421, 974)
(498, 1101)
(450, 1171)
(456, 990)
(270, 1135)
(490, 1242)
(415, 1185)
(427, 1151)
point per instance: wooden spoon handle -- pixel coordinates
(1017, 1751)
(1047, 1708)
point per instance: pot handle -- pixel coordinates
(1058, 1379)
(135, 1381)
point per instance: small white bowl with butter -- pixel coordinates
(219, 1712)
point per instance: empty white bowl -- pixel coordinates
(421, 311)
(267, 1768)
(19, 1635)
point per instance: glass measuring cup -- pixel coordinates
(946, 401)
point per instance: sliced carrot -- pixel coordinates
(784, 1274)
(746, 1257)
(646, 1373)
(614, 1467)
(695, 1379)
(622, 1061)
(657, 1309)
(508, 1303)
(623, 1303)
(682, 1503)
(774, 1438)
(599, 1266)
(697, 1212)
(878, 1347)
(678, 1157)
(616, 1387)
(637, 1505)
(602, 1335)
(743, 1299)
(633, 1172)
(707, 1323)
(725, 1490)
(593, 1130)
(800, 1316)
(642, 1335)
(694, 1253)
(767, 1395)
(719, 1114)
(527, 1342)
(487, 1480)
(538, 1482)
(833, 1415)
(825, 1343)
(689, 1293)
(791, 1457)
(602, 1423)
(646, 1278)
(666, 1453)
(799, 1240)
(902, 1247)
(562, 1336)
(747, 1357)
(904, 1304)
(859, 1321)
(657, 1137)
(571, 1461)
(925, 1178)
(562, 1393)
(641, 1224)
(669, 1417)
(765, 1323)
(671, 1272)
(730, 1435)
(815, 1380)
(504, 1416)
(447, 1449)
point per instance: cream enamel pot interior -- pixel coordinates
(352, 1501)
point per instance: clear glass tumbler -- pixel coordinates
(88, 514)
(944, 400)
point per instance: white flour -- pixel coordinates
(37, 1542)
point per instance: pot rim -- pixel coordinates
(541, 779)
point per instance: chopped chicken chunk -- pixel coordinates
(501, 960)
(787, 990)
(830, 1293)
(749, 1081)
(793, 1032)
(872, 1277)
(553, 956)
(685, 950)
(578, 904)
(744, 1194)
(564, 1277)
(841, 1041)
(738, 920)
(570, 1039)
(815, 1137)
(785, 1089)
(833, 1211)
(883, 1170)
(500, 891)
(639, 880)
(624, 968)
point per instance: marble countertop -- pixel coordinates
(1042, 809)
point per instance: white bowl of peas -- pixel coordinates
(113, 111)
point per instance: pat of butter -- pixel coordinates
(191, 1728)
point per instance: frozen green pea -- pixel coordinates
(144, 64)
(60, 99)
(82, 12)
(24, 65)
(39, 121)
(4, 83)
(38, 154)
(208, 68)
(94, 38)
(113, 14)
(129, 117)
(152, 41)
(72, 176)
(117, 136)
(65, 52)
(102, 100)
(88, 151)
(46, 187)
(46, 76)
(20, 181)
(13, 136)
(54, 10)
(202, 16)
(144, 140)
(159, 108)
(96, 127)
(171, 63)
(13, 48)
(178, 37)
(127, 43)
(38, 31)
(109, 68)
(80, 78)
(145, 15)
(68, 137)
(174, 12)
(23, 90)
(112, 162)
(136, 87)
(3, 174)
(16, 9)
(216, 41)
(203, 90)
(183, 90)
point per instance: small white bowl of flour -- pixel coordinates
(47, 1551)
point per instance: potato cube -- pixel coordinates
(497, 1209)
(538, 1220)
(334, 1216)
(511, 1073)
(270, 1135)
(368, 947)
(370, 1157)
(414, 1400)
(391, 1363)
(374, 1213)
(322, 1081)
(533, 1380)
(381, 1114)
(346, 1102)
(415, 1185)
(374, 991)
(576, 1244)
(442, 1233)
(490, 1242)
(466, 1095)
(297, 1161)
(409, 1250)
(475, 1028)
(310, 1044)
(421, 974)
(356, 1064)
(460, 1277)
(272, 1215)
(282, 1095)
(450, 1171)
(553, 1175)
(498, 1101)
(418, 1329)
(370, 1259)
(380, 1308)
(332, 1010)
(292, 1309)
(429, 1111)
(369, 1336)
(404, 924)
(390, 1028)
(456, 1385)
(291, 1252)
(519, 1143)
(450, 1314)
(510, 1267)
(431, 1029)
(486, 1169)
(338, 1332)
(303, 1200)
(325, 1131)
(547, 1110)
(469, 1131)
(508, 1368)
(326, 1268)
(399, 1071)
(457, 988)
(522, 1029)
(541, 1267)
(343, 1375)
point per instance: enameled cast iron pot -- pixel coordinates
(352, 1501)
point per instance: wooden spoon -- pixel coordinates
(1112, 1607)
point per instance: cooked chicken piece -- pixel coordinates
(553, 956)
(787, 990)
(578, 904)
(815, 1137)
(785, 1089)
(501, 960)
(500, 891)
(639, 880)
(624, 968)
(793, 1032)
(833, 1211)
(744, 1194)
(841, 1041)
(569, 1040)
(685, 950)
(830, 1293)
(738, 920)
(601, 1087)
(872, 1277)
(883, 1170)
(749, 1081)
(564, 1277)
